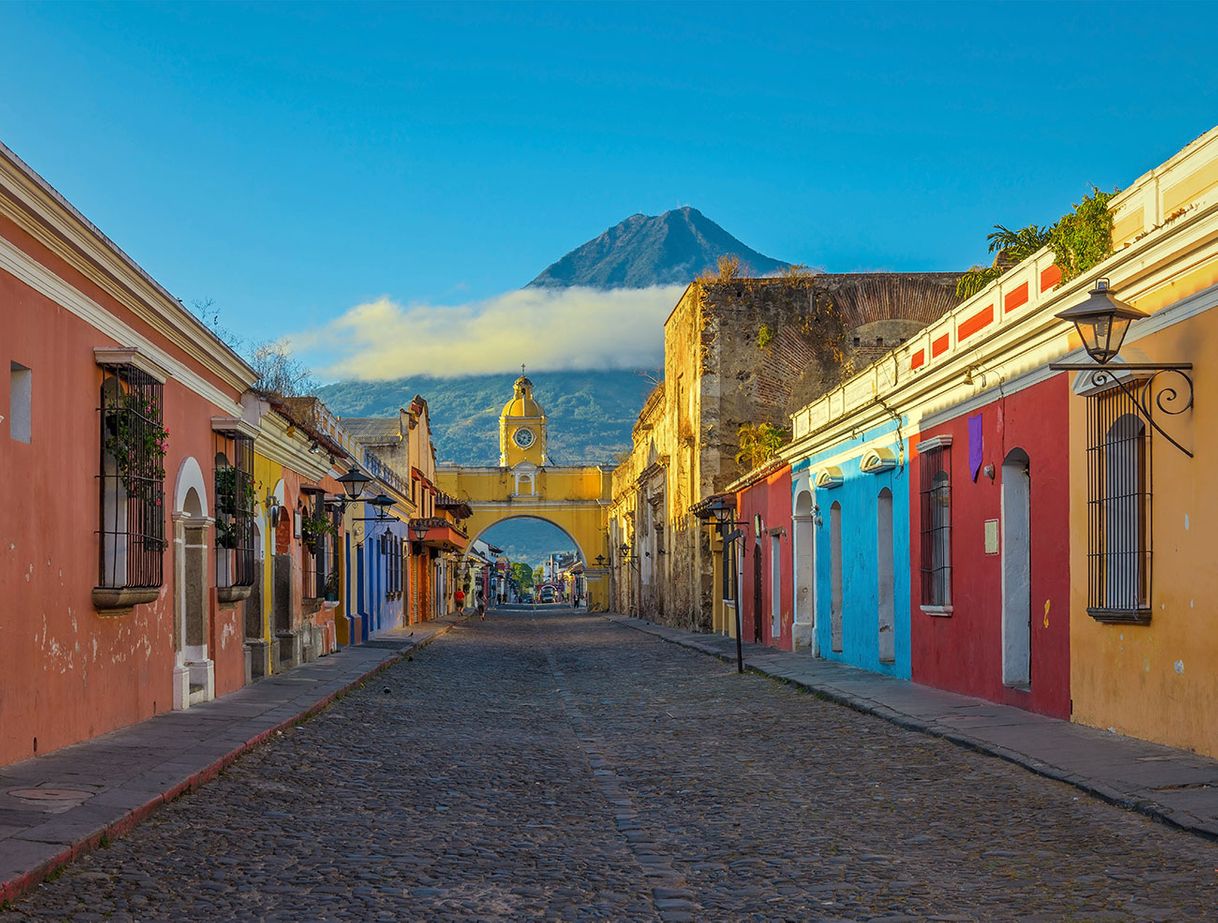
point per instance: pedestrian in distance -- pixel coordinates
(481, 611)
(459, 599)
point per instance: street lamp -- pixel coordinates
(354, 482)
(720, 511)
(1102, 322)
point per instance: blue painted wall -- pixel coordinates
(858, 496)
(372, 577)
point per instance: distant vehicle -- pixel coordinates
(547, 594)
(526, 598)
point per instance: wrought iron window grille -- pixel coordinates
(131, 482)
(936, 527)
(1166, 387)
(1119, 512)
(235, 500)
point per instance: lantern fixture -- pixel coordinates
(354, 482)
(419, 529)
(1102, 322)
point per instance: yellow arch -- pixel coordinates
(576, 500)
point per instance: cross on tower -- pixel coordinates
(522, 370)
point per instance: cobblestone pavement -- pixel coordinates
(556, 766)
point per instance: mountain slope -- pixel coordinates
(672, 248)
(590, 413)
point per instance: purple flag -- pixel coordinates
(974, 445)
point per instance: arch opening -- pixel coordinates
(546, 563)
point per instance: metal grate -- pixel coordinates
(235, 498)
(319, 546)
(132, 479)
(936, 505)
(1118, 508)
(391, 550)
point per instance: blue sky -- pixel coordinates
(292, 162)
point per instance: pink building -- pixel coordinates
(123, 442)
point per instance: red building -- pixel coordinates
(763, 507)
(990, 604)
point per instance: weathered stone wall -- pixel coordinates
(740, 351)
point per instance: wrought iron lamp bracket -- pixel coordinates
(1172, 396)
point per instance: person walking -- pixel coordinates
(459, 599)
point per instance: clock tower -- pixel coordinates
(522, 428)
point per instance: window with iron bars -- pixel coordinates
(235, 498)
(1118, 509)
(391, 550)
(319, 538)
(729, 570)
(936, 508)
(132, 479)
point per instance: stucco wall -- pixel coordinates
(858, 498)
(771, 499)
(963, 652)
(70, 673)
(1160, 681)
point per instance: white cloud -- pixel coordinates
(572, 328)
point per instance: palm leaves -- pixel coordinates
(1009, 248)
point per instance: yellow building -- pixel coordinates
(1144, 519)
(525, 485)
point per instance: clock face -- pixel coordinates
(524, 437)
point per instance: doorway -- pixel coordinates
(1016, 569)
(757, 635)
(835, 577)
(885, 589)
(194, 672)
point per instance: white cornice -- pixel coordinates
(234, 425)
(36, 207)
(105, 355)
(1016, 354)
(19, 264)
(283, 443)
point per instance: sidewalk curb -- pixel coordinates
(1126, 800)
(14, 888)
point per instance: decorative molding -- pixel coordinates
(41, 211)
(877, 461)
(120, 600)
(828, 478)
(119, 355)
(938, 442)
(29, 271)
(234, 425)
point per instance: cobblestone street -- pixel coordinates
(558, 766)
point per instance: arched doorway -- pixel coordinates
(194, 673)
(803, 632)
(835, 577)
(885, 578)
(541, 546)
(1016, 569)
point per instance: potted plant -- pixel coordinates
(314, 527)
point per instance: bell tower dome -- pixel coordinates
(522, 427)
